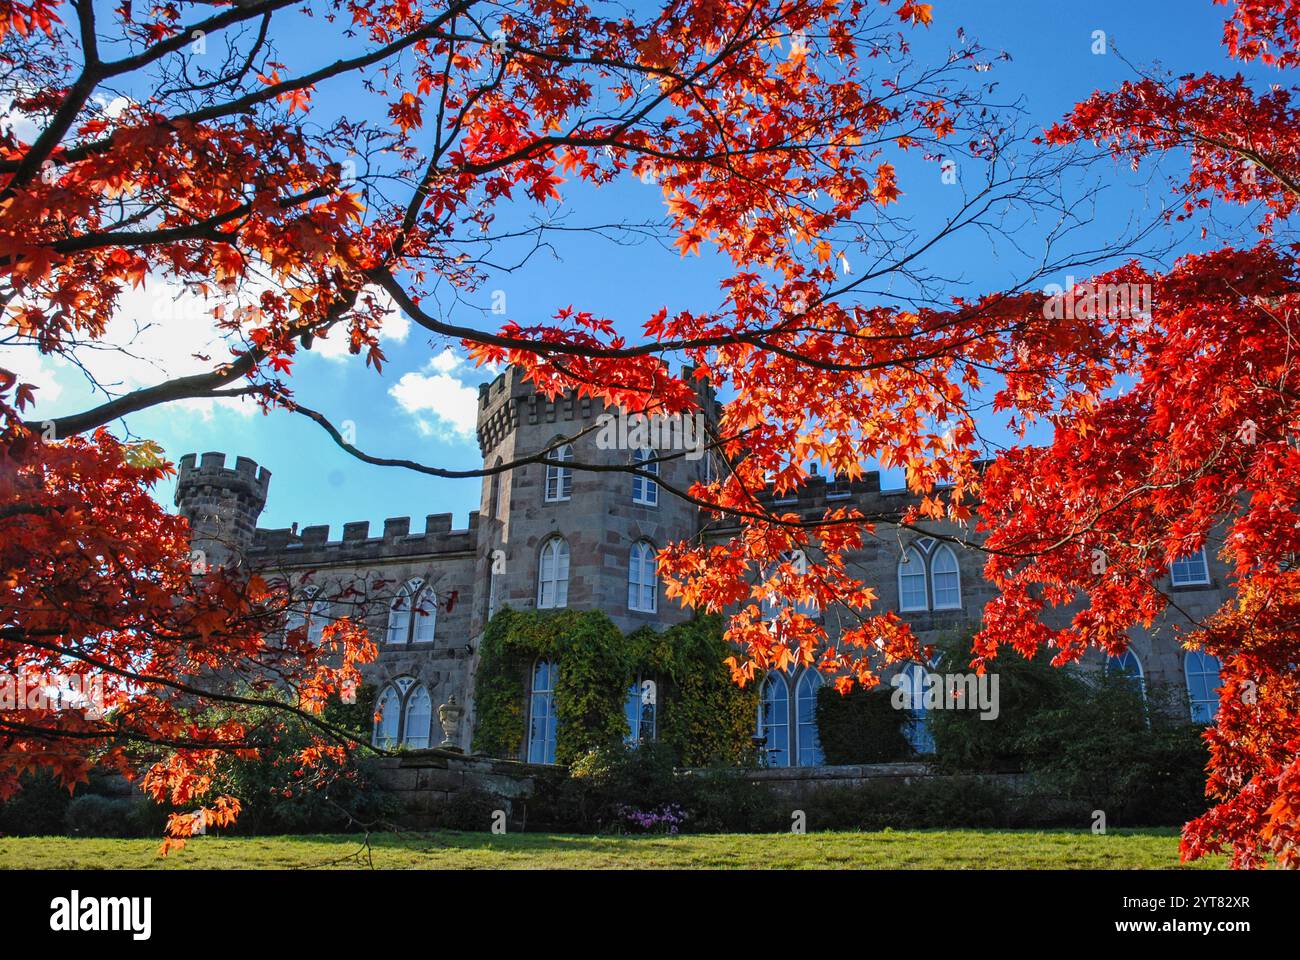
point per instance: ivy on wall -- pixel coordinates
(702, 715)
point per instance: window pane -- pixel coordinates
(419, 712)
(912, 582)
(426, 613)
(399, 617)
(1191, 569)
(809, 744)
(916, 725)
(1203, 682)
(542, 721)
(774, 720)
(389, 710)
(947, 580)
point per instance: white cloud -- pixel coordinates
(163, 330)
(439, 397)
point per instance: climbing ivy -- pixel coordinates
(702, 715)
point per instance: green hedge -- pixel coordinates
(861, 726)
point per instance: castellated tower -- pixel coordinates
(221, 505)
(594, 519)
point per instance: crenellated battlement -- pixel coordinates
(210, 470)
(510, 401)
(312, 545)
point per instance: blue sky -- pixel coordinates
(421, 405)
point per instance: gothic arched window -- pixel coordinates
(774, 719)
(416, 718)
(389, 710)
(412, 614)
(642, 579)
(808, 745)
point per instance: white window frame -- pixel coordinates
(1200, 579)
(555, 554)
(645, 492)
(543, 697)
(405, 625)
(642, 578)
(1122, 660)
(813, 678)
(424, 626)
(944, 550)
(385, 715)
(412, 698)
(1207, 665)
(559, 478)
(780, 719)
(913, 555)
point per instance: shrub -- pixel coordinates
(276, 798)
(861, 726)
(471, 809)
(38, 809)
(93, 815)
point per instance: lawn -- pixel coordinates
(939, 849)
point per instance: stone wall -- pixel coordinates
(426, 781)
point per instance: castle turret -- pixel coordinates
(221, 505)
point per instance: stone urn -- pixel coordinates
(449, 715)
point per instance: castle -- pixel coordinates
(548, 536)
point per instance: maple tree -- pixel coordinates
(776, 131)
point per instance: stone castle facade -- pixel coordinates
(550, 537)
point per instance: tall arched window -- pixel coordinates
(945, 579)
(389, 710)
(1130, 666)
(553, 574)
(644, 490)
(808, 745)
(317, 620)
(641, 711)
(642, 579)
(559, 478)
(399, 615)
(913, 592)
(1203, 683)
(419, 714)
(542, 724)
(774, 719)
(425, 613)
(916, 725)
(310, 614)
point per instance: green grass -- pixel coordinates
(939, 849)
